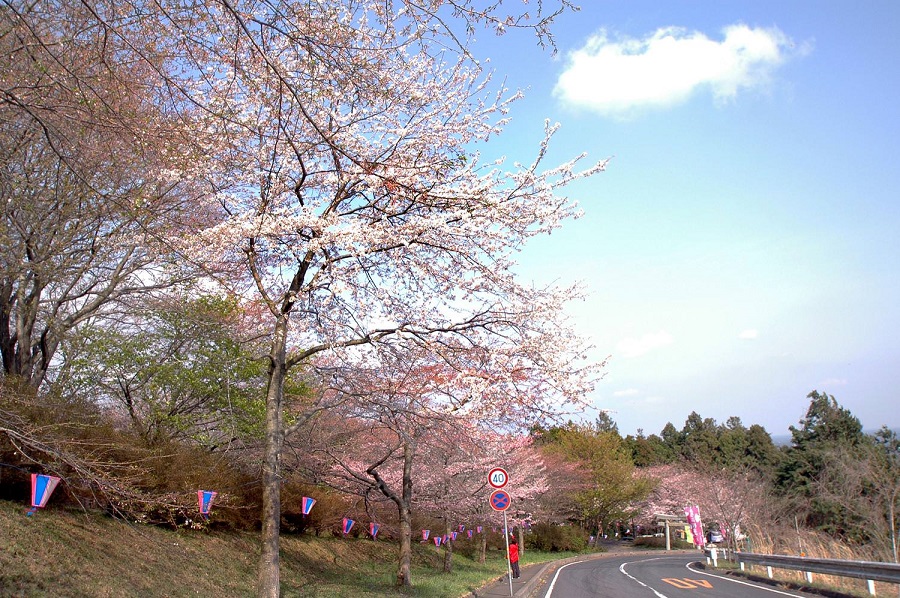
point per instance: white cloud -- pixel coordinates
(635, 347)
(749, 334)
(628, 392)
(613, 77)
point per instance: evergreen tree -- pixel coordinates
(605, 423)
(650, 450)
(701, 441)
(672, 438)
(827, 428)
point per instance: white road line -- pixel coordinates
(743, 583)
(622, 570)
(553, 583)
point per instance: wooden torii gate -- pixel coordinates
(669, 520)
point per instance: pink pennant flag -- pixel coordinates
(348, 525)
(307, 504)
(437, 540)
(425, 533)
(373, 529)
(206, 498)
(42, 486)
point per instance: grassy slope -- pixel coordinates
(70, 553)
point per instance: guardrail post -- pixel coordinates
(808, 576)
(742, 565)
(769, 571)
(871, 585)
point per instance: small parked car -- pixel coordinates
(714, 537)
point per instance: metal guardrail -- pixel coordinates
(868, 570)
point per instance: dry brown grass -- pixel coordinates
(94, 556)
(814, 544)
(67, 553)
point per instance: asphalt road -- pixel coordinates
(650, 576)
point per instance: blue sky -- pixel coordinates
(742, 248)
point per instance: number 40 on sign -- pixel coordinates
(498, 478)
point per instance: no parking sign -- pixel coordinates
(500, 500)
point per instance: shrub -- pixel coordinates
(660, 542)
(466, 547)
(556, 538)
(111, 469)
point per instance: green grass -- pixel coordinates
(61, 552)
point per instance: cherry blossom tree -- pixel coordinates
(386, 418)
(85, 194)
(354, 204)
(567, 480)
(339, 145)
(402, 425)
(455, 477)
(734, 500)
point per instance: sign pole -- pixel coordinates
(500, 501)
(508, 564)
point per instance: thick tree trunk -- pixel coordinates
(403, 579)
(269, 572)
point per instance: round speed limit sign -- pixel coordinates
(498, 477)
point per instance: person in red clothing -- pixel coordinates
(514, 557)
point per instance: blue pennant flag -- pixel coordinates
(348, 524)
(42, 486)
(206, 498)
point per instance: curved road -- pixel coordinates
(651, 576)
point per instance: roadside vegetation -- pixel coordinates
(816, 545)
(67, 552)
(583, 482)
(265, 250)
